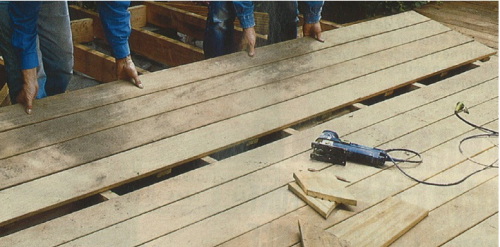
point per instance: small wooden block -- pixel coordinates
(323, 207)
(315, 236)
(325, 186)
(163, 173)
(109, 195)
(381, 224)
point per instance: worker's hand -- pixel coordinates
(125, 69)
(248, 40)
(30, 89)
(313, 30)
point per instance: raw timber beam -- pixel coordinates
(3, 75)
(138, 16)
(93, 63)
(163, 49)
(4, 95)
(82, 30)
(188, 23)
(81, 13)
(261, 18)
(165, 16)
(148, 44)
(4, 90)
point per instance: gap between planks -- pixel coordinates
(381, 105)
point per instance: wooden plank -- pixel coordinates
(261, 18)
(82, 30)
(476, 10)
(323, 207)
(483, 32)
(4, 96)
(484, 38)
(188, 23)
(81, 13)
(324, 186)
(287, 164)
(115, 113)
(94, 64)
(170, 17)
(431, 231)
(4, 90)
(380, 225)
(449, 9)
(150, 161)
(211, 68)
(189, 7)
(135, 203)
(163, 49)
(446, 14)
(275, 234)
(482, 234)
(97, 149)
(278, 231)
(151, 45)
(311, 236)
(267, 209)
(3, 76)
(138, 18)
(173, 211)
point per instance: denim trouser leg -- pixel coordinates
(41, 76)
(56, 45)
(219, 29)
(282, 20)
(12, 61)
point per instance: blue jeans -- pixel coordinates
(219, 29)
(56, 46)
(283, 19)
(54, 49)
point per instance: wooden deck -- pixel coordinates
(391, 83)
(477, 19)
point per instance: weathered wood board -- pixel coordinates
(324, 186)
(192, 111)
(323, 207)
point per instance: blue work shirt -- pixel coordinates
(244, 12)
(24, 15)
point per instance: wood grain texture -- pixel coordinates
(82, 30)
(324, 186)
(155, 217)
(323, 207)
(380, 225)
(151, 158)
(367, 190)
(314, 236)
(169, 100)
(142, 201)
(103, 95)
